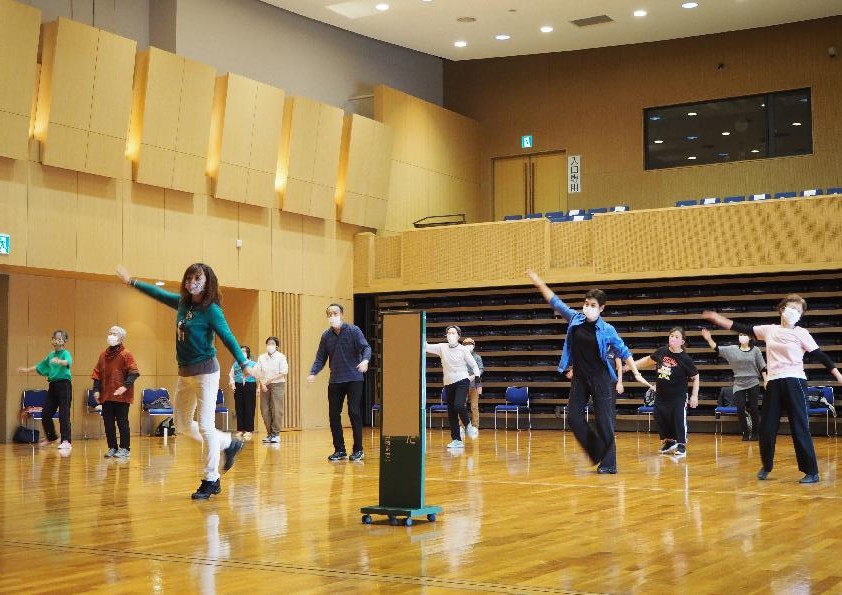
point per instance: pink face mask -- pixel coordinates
(675, 342)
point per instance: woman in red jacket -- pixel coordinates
(114, 376)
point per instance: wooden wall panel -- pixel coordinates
(19, 30)
(99, 242)
(85, 94)
(366, 168)
(184, 231)
(144, 248)
(52, 218)
(286, 325)
(13, 209)
(287, 251)
(256, 255)
(220, 235)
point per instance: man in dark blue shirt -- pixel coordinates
(345, 349)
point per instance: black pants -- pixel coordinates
(245, 402)
(116, 415)
(789, 394)
(747, 401)
(59, 397)
(671, 418)
(336, 393)
(456, 395)
(599, 444)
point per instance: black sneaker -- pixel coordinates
(681, 450)
(230, 453)
(762, 474)
(668, 446)
(206, 488)
(809, 478)
(606, 470)
(338, 456)
(746, 436)
(357, 455)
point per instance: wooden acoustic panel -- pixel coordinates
(19, 29)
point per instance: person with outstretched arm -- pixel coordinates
(786, 386)
(590, 348)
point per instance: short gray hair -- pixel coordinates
(119, 331)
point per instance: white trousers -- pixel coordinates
(194, 392)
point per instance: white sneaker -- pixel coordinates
(65, 445)
(267, 439)
(456, 444)
(472, 431)
(462, 431)
(275, 439)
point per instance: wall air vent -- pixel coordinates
(597, 20)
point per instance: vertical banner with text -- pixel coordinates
(574, 174)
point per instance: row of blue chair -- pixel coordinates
(756, 197)
(571, 215)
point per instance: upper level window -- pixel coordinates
(754, 127)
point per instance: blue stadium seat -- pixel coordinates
(709, 201)
(812, 192)
(786, 194)
(597, 210)
(574, 212)
(554, 214)
(834, 191)
(562, 219)
(730, 199)
(585, 217)
(619, 209)
(512, 217)
(534, 216)
(759, 196)
(685, 203)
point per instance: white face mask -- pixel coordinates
(743, 339)
(271, 349)
(590, 312)
(452, 339)
(335, 321)
(469, 347)
(791, 315)
(195, 287)
(113, 340)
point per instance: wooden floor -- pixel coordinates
(523, 513)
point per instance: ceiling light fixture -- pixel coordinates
(546, 29)
(640, 13)
(654, 118)
(159, 283)
(382, 7)
(692, 157)
(755, 150)
(796, 123)
(692, 114)
(726, 133)
(690, 5)
(658, 142)
(460, 43)
(502, 37)
(692, 137)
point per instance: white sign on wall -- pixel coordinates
(574, 174)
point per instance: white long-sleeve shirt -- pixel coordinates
(457, 362)
(272, 365)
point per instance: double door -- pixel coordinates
(530, 184)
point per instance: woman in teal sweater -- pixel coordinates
(56, 368)
(198, 316)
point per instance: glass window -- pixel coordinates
(754, 127)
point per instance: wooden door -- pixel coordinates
(511, 186)
(548, 173)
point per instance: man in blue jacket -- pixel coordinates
(590, 347)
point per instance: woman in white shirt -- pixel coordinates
(786, 386)
(460, 369)
(272, 370)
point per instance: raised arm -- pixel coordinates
(165, 297)
(709, 339)
(556, 302)
(730, 325)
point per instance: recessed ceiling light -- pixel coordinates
(690, 5)
(502, 37)
(382, 6)
(726, 133)
(159, 283)
(658, 142)
(722, 154)
(654, 118)
(640, 13)
(692, 137)
(546, 29)
(692, 157)
(762, 105)
(755, 150)
(796, 123)
(460, 43)
(692, 114)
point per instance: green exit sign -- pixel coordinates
(526, 141)
(5, 243)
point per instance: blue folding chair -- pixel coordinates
(220, 406)
(35, 399)
(820, 403)
(517, 398)
(375, 407)
(648, 411)
(94, 408)
(148, 397)
(440, 407)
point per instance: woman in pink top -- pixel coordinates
(786, 388)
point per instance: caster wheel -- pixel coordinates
(366, 519)
(431, 517)
(407, 522)
(393, 520)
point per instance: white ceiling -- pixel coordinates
(431, 27)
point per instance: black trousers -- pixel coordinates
(59, 397)
(456, 395)
(115, 415)
(671, 418)
(245, 403)
(789, 394)
(746, 401)
(599, 444)
(336, 393)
